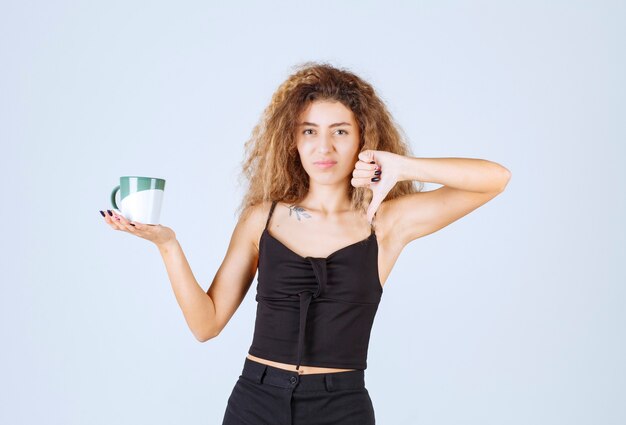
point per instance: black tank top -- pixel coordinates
(314, 310)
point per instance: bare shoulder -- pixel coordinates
(253, 221)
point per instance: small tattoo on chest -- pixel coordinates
(299, 211)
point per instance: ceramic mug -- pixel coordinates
(140, 198)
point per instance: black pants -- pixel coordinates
(266, 395)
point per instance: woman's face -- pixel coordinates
(327, 137)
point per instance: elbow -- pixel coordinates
(204, 337)
(506, 176)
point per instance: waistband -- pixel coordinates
(269, 375)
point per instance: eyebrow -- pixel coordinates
(337, 124)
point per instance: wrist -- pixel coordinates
(167, 245)
(405, 167)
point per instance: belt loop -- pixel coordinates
(260, 374)
(328, 379)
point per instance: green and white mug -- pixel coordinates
(140, 198)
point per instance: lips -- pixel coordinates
(324, 164)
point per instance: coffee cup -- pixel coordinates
(140, 198)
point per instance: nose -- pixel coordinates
(324, 144)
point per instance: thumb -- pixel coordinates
(377, 199)
(366, 155)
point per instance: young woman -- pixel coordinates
(330, 205)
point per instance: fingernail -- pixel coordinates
(377, 172)
(375, 179)
(103, 215)
(110, 213)
(132, 224)
(372, 162)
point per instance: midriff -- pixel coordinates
(304, 370)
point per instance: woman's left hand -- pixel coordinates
(371, 161)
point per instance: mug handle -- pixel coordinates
(115, 190)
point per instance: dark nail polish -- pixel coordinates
(132, 224)
(110, 213)
(372, 162)
(103, 215)
(377, 172)
(375, 179)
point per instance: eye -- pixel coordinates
(305, 131)
(344, 131)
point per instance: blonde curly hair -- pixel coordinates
(272, 165)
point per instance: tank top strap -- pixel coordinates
(270, 213)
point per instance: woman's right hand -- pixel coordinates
(156, 233)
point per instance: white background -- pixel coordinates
(512, 315)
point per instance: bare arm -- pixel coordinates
(207, 313)
(197, 306)
(467, 183)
